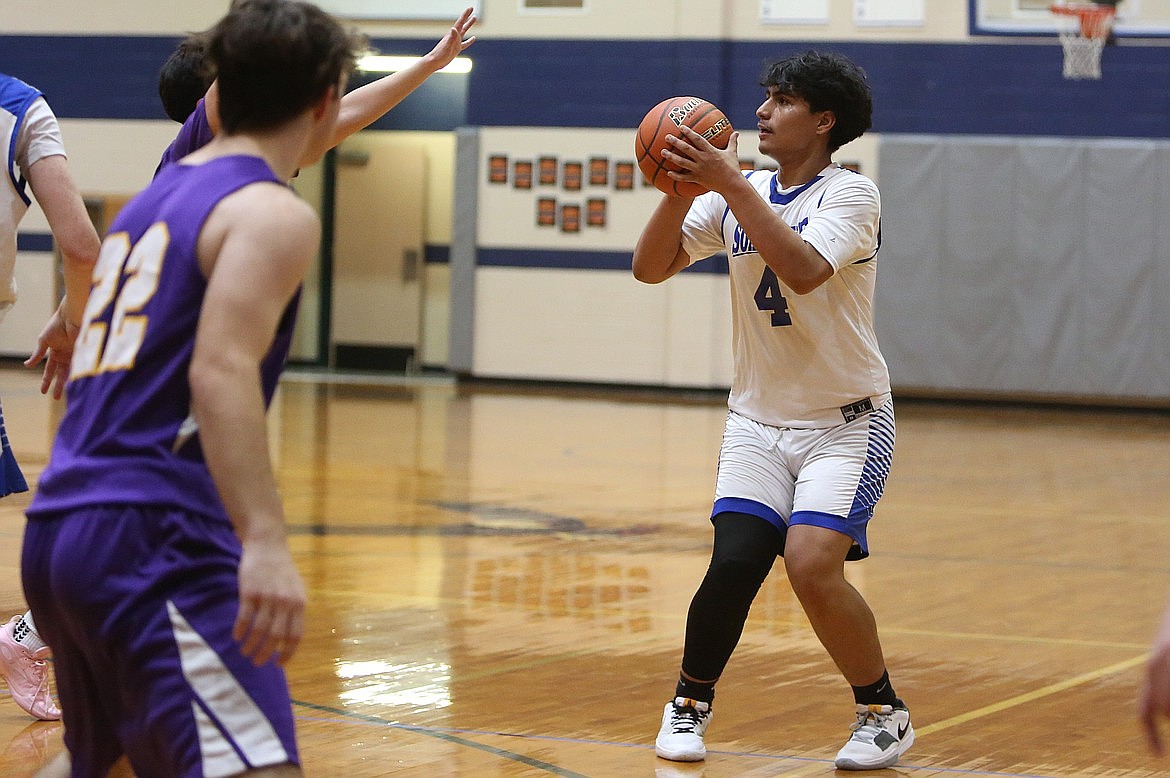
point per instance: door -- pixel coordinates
(378, 234)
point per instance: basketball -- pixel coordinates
(665, 119)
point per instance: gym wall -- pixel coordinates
(537, 75)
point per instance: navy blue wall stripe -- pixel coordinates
(116, 77)
(436, 254)
(553, 259)
(557, 259)
(34, 241)
(1010, 87)
(91, 77)
(578, 83)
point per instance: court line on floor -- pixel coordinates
(1036, 694)
(999, 637)
(449, 736)
(460, 736)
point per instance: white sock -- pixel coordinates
(25, 633)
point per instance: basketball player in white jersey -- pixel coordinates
(810, 432)
(36, 163)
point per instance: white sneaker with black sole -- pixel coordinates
(684, 722)
(880, 736)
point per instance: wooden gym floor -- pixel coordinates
(499, 577)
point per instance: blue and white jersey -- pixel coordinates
(801, 360)
(28, 132)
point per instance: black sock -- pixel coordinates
(695, 690)
(880, 692)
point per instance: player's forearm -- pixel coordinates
(797, 264)
(658, 254)
(73, 232)
(77, 270)
(366, 104)
(229, 408)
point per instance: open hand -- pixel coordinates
(454, 43)
(55, 347)
(271, 620)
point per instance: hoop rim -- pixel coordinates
(1083, 10)
(1096, 19)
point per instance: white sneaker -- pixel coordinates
(880, 736)
(684, 722)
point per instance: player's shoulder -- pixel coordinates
(845, 184)
(846, 177)
(254, 203)
(13, 90)
(270, 205)
(263, 218)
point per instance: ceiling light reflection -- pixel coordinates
(376, 682)
(378, 63)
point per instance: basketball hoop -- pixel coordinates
(1085, 28)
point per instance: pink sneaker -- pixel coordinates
(27, 675)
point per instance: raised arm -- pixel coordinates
(364, 105)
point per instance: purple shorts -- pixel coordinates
(137, 604)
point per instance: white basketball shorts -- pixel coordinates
(830, 477)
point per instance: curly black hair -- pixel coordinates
(827, 82)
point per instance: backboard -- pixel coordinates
(1135, 18)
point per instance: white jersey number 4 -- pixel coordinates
(769, 297)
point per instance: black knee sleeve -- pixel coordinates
(744, 551)
(747, 542)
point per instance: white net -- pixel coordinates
(1082, 56)
(1084, 31)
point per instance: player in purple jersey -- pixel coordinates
(359, 108)
(155, 556)
(195, 133)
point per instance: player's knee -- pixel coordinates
(744, 551)
(737, 571)
(740, 567)
(812, 575)
(732, 582)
